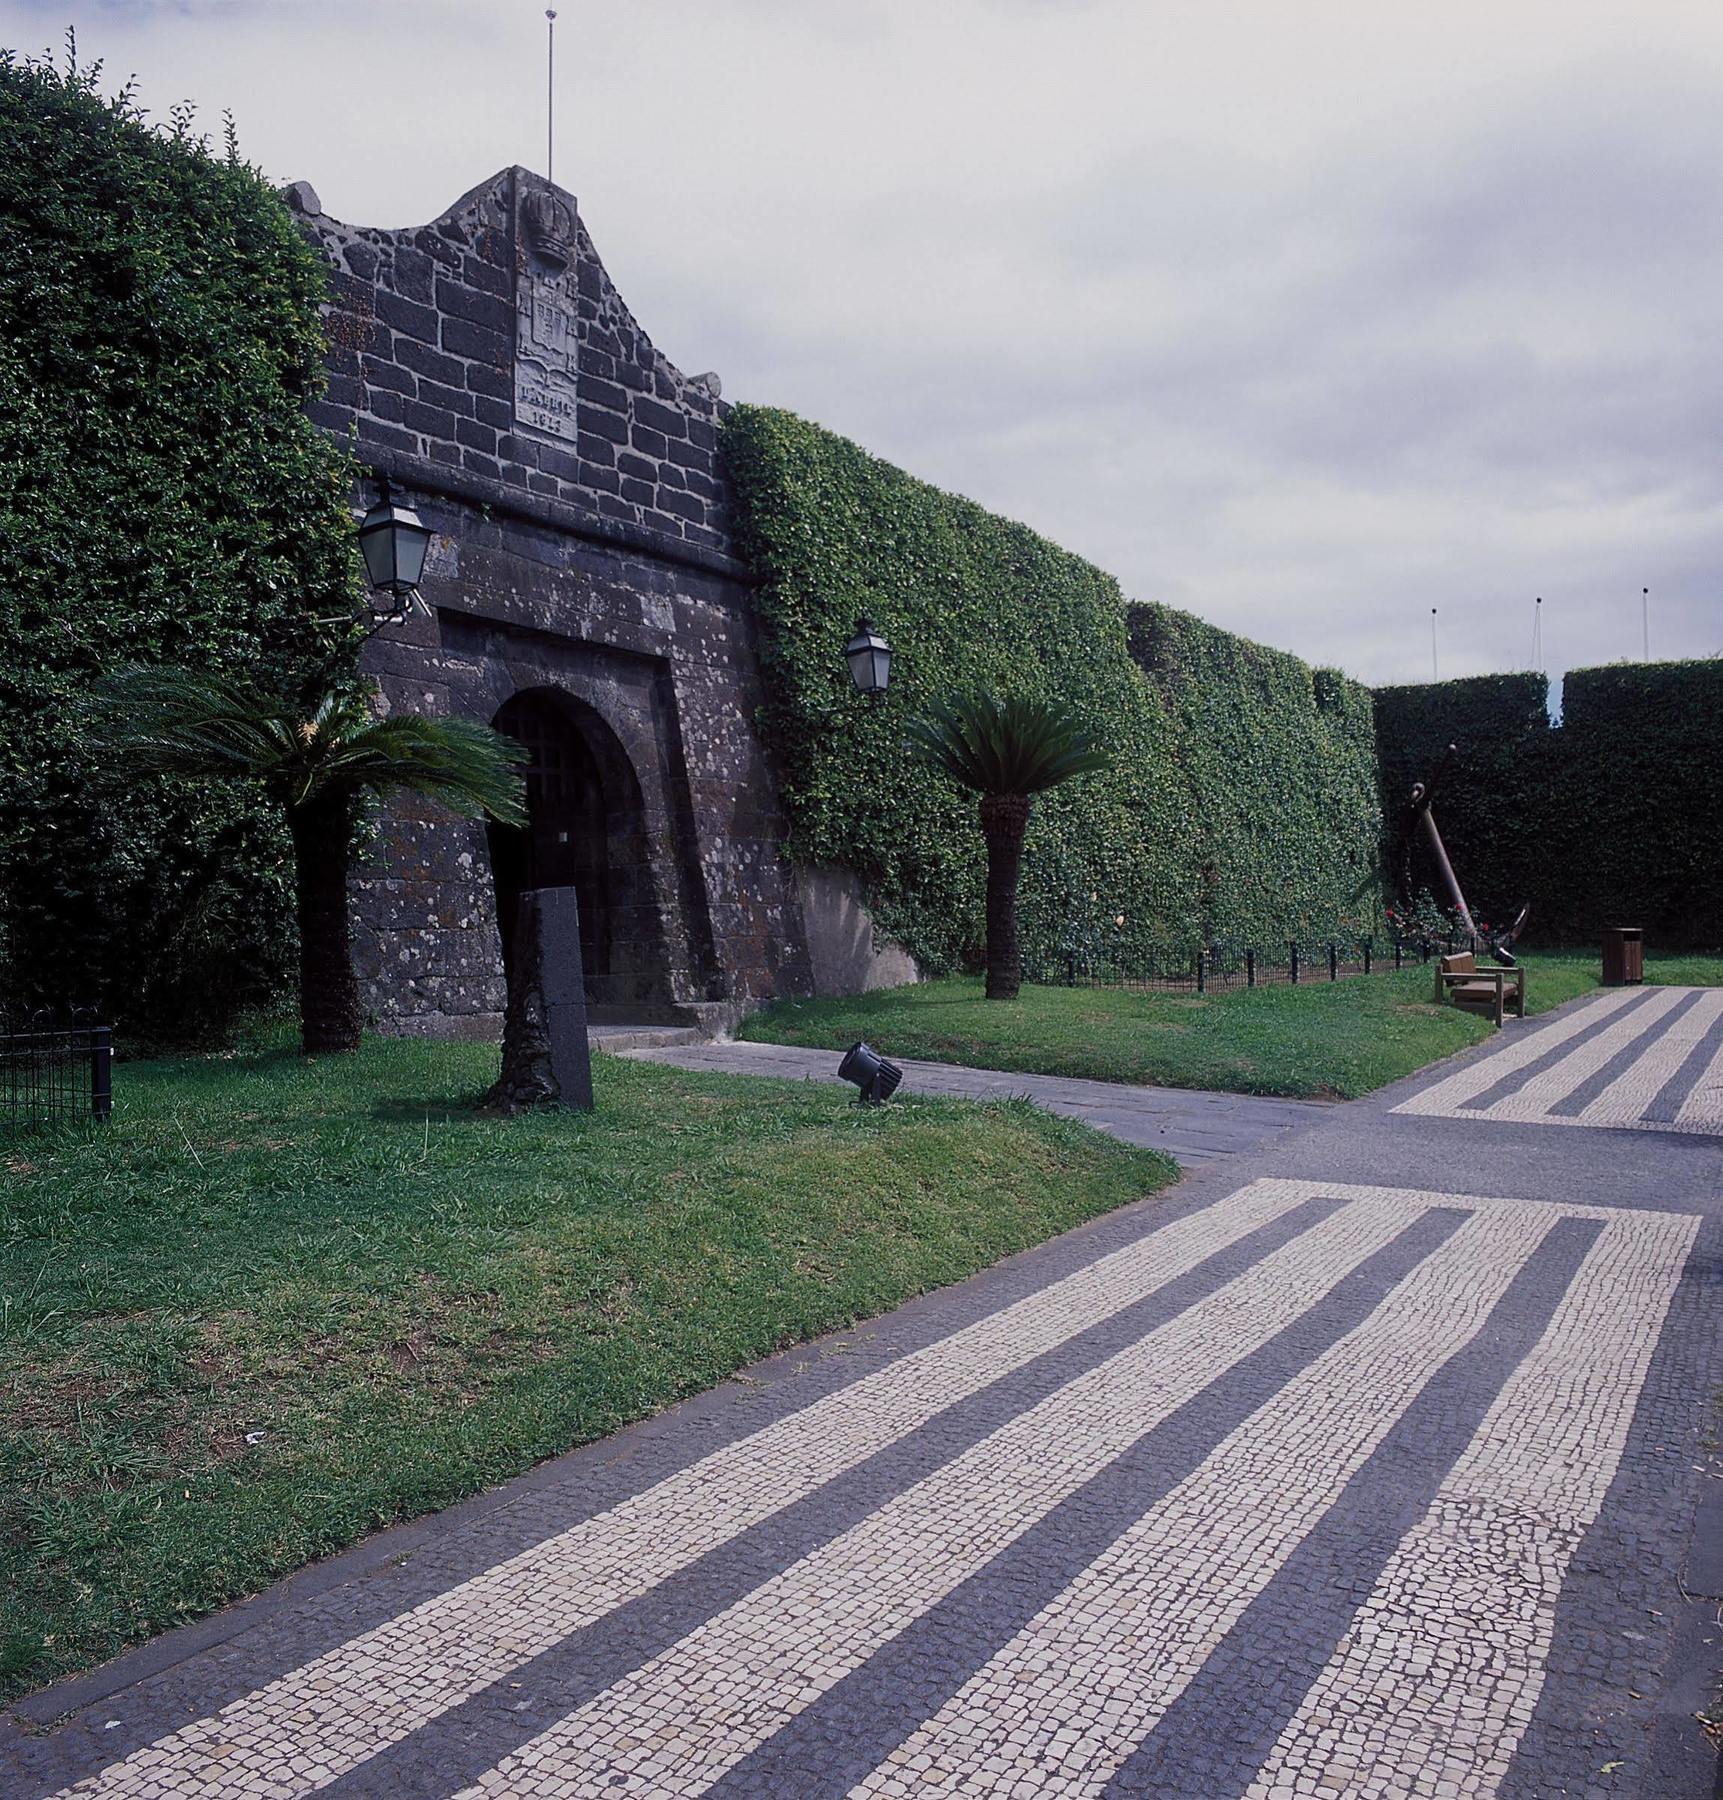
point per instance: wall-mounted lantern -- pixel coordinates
(869, 658)
(394, 539)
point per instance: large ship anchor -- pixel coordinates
(1421, 823)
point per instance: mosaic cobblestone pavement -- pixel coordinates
(1297, 1488)
(1648, 1059)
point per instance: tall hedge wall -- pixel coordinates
(1241, 800)
(1489, 805)
(1639, 800)
(162, 497)
(1612, 817)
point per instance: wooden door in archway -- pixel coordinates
(565, 842)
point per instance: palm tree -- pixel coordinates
(1007, 751)
(317, 762)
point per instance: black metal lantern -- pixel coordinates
(394, 540)
(869, 658)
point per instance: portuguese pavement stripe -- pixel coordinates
(1638, 1068)
(469, 1738)
(1632, 1030)
(1647, 1059)
(1072, 1695)
(300, 1732)
(685, 1717)
(824, 1750)
(1702, 1110)
(1684, 1091)
(1434, 1685)
(1214, 1740)
(1522, 1054)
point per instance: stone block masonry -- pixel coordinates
(491, 341)
(584, 594)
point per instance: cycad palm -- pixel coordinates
(1007, 751)
(317, 762)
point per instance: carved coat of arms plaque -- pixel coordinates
(545, 309)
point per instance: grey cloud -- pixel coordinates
(1305, 318)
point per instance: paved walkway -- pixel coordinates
(1648, 1059)
(1366, 1463)
(1187, 1123)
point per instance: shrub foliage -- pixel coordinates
(1488, 803)
(163, 499)
(1279, 762)
(1609, 818)
(1241, 800)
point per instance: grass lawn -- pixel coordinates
(1660, 971)
(409, 1302)
(1316, 1040)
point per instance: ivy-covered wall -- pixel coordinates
(1610, 818)
(163, 496)
(1279, 762)
(1242, 799)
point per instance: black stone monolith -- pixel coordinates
(546, 1058)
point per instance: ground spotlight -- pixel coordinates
(877, 1079)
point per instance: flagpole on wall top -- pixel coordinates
(549, 95)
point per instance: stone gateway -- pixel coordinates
(584, 597)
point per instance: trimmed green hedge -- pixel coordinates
(1242, 799)
(1490, 804)
(1610, 818)
(1637, 802)
(163, 496)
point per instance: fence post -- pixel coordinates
(1250, 968)
(1202, 979)
(1396, 953)
(1366, 956)
(1071, 970)
(102, 1072)
(1333, 962)
(1295, 962)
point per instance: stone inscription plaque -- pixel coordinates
(545, 307)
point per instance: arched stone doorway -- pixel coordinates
(586, 829)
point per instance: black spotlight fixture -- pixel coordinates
(394, 539)
(869, 658)
(877, 1079)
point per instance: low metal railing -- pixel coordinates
(1220, 967)
(54, 1072)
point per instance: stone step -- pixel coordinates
(616, 1040)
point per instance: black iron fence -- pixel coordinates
(1220, 967)
(54, 1072)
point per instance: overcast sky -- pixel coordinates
(1307, 317)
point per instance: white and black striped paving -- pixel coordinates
(1640, 1059)
(1297, 1488)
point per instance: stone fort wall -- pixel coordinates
(582, 569)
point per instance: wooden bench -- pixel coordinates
(1492, 991)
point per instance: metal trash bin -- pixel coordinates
(1623, 956)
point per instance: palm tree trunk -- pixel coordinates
(1004, 818)
(328, 993)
